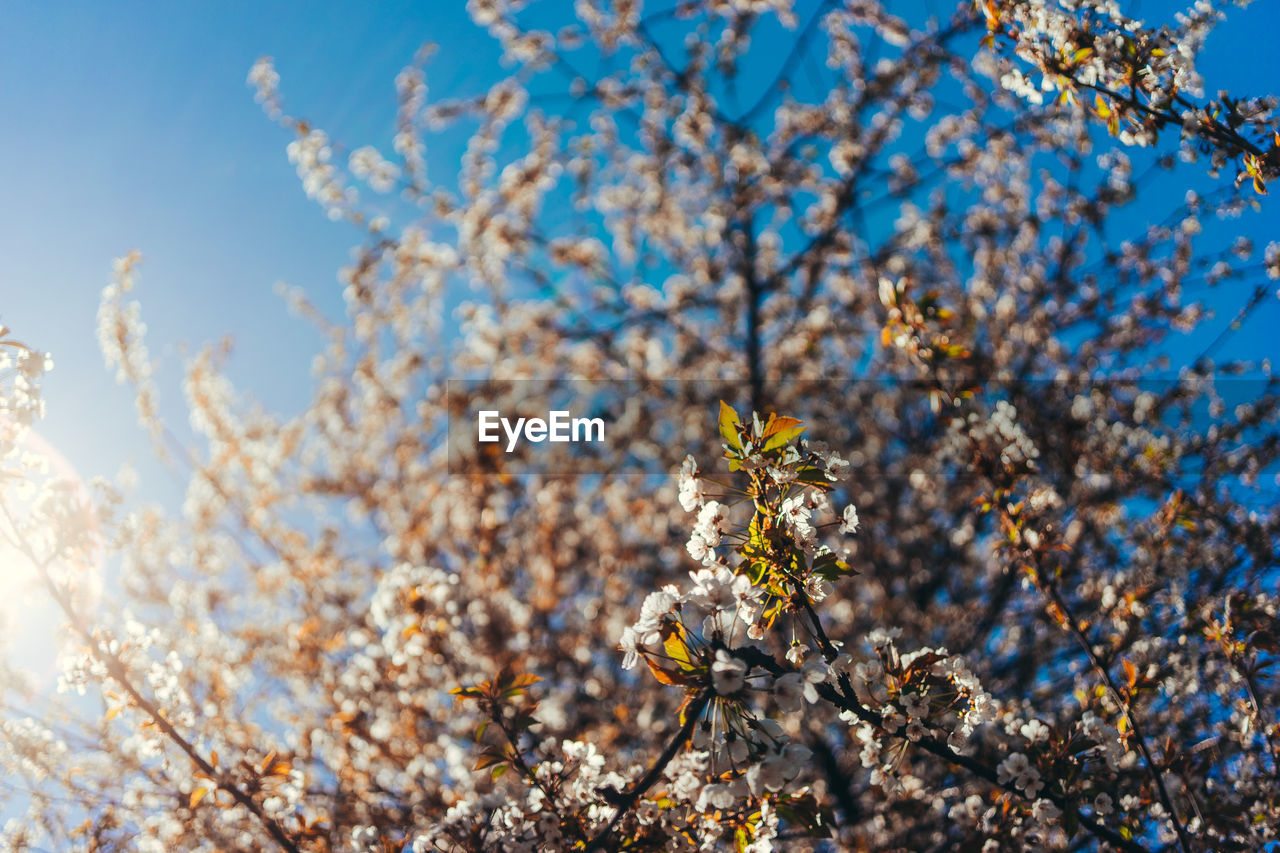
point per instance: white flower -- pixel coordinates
(796, 516)
(1271, 260)
(659, 602)
(1012, 767)
(795, 756)
(1045, 810)
(849, 520)
(782, 476)
(817, 587)
(368, 165)
(718, 590)
(1091, 726)
(628, 645)
(788, 691)
(1035, 731)
(835, 468)
(916, 706)
(1017, 769)
(916, 730)
(881, 637)
(768, 775)
(766, 830)
(820, 501)
(691, 494)
(728, 673)
(890, 784)
(648, 628)
(584, 753)
(700, 549)
(712, 521)
(814, 673)
(718, 796)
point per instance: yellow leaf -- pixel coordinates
(112, 712)
(729, 426)
(777, 424)
(488, 759)
(674, 645)
(781, 432)
(196, 796)
(664, 675)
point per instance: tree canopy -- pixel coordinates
(953, 542)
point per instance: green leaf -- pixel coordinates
(812, 476)
(804, 811)
(830, 567)
(755, 536)
(771, 612)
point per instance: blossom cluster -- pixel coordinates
(1136, 79)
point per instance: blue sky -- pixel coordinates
(130, 126)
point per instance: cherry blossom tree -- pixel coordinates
(960, 548)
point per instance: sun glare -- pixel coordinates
(48, 533)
